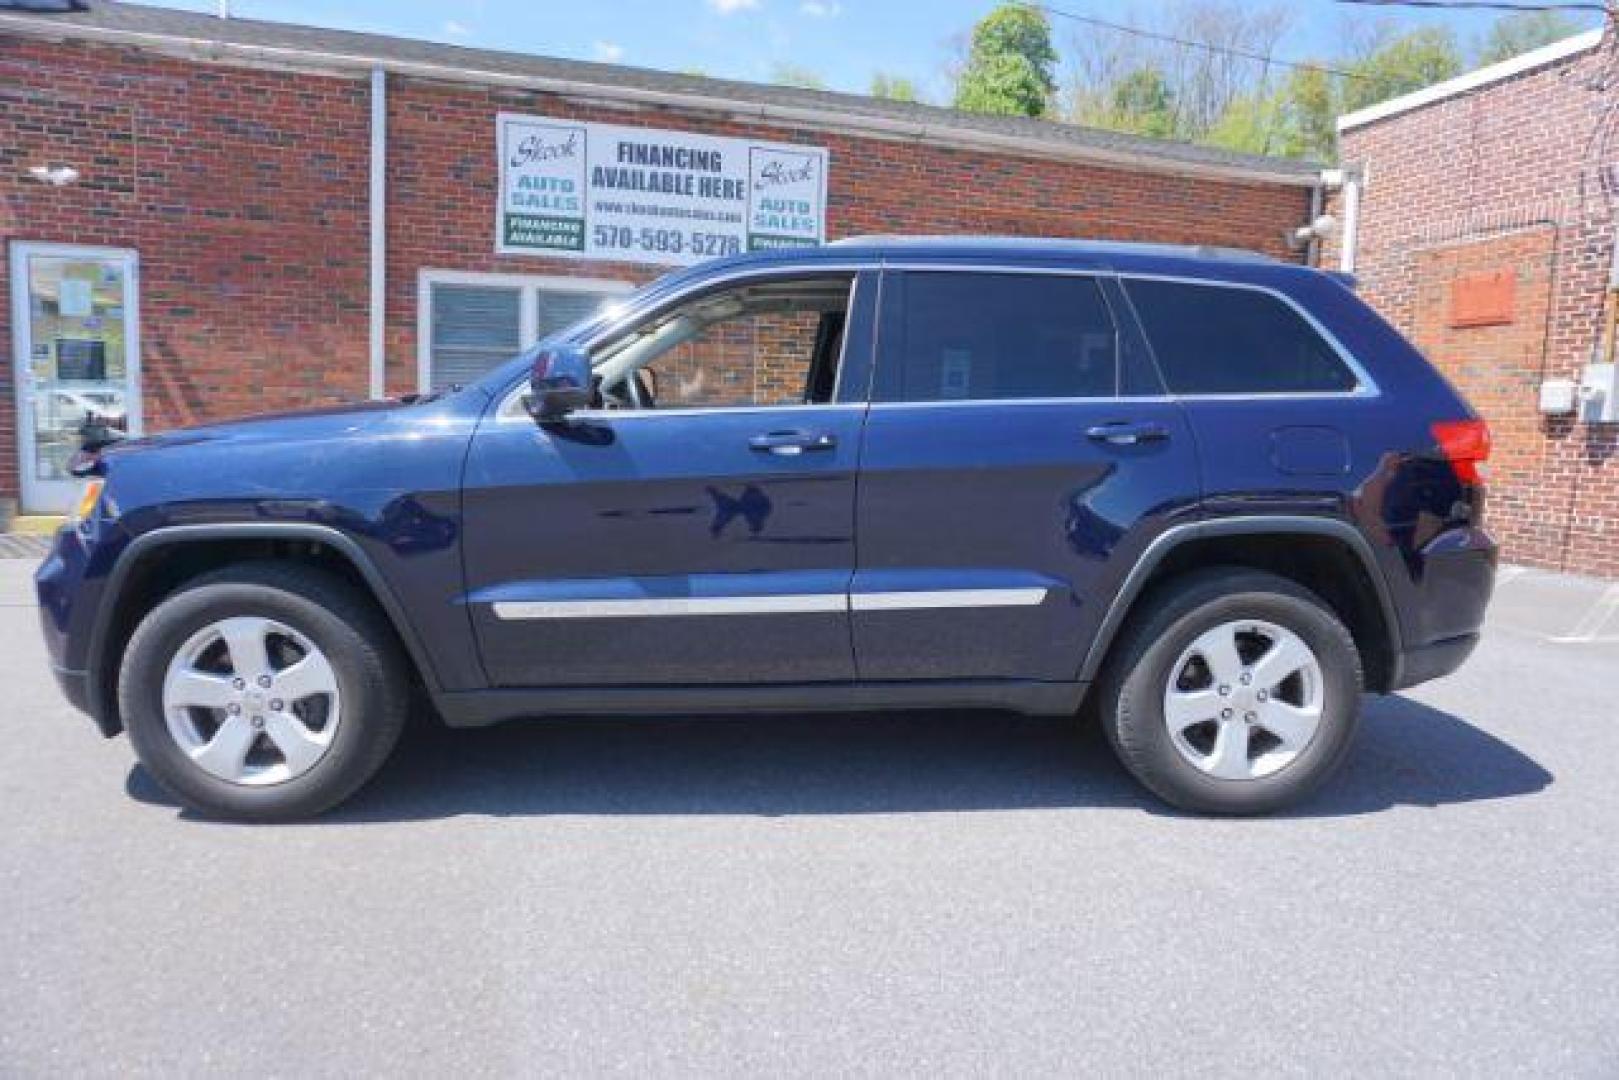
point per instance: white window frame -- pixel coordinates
(527, 284)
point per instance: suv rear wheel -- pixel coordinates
(263, 692)
(1233, 691)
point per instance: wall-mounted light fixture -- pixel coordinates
(1322, 227)
(54, 175)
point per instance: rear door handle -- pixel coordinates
(792, 443)
(1128, 434)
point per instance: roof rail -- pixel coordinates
(1056, 244)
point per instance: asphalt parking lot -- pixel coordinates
(959, 894)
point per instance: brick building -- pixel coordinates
(1479, 216)
(215, 249)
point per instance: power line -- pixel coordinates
(1192, 44)
(1485, 5)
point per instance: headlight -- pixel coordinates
(85, 505)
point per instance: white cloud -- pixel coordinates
(608, 51)
(731, 7)
(820, 9)
(455, 29)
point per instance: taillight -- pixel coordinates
(1466, 445)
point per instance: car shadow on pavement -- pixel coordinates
(1407, 754)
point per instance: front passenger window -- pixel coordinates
(764, 344)
(988, 336)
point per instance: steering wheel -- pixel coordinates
(631, 393)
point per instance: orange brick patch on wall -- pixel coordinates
(1483, 299)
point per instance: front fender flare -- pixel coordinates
(102, 690)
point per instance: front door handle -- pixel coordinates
(792, 443)
(1128, 434)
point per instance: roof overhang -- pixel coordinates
(1472, 80)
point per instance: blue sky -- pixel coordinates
(843, 41)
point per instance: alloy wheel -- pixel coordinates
(251, 701)
(1244, 700)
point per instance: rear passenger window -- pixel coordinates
(1212, 339)
(966, 336)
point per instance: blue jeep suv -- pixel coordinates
(1205, 497)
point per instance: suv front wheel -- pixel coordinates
(1233, 691)
(263, 692)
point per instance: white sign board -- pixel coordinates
(600, 191)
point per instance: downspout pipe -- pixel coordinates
(1318, 198)
(1613, 304)
(1346, 250)
(379, 232)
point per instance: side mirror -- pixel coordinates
(559, 383)
(99, 432)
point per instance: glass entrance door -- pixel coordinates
(77, 353)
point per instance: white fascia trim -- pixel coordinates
(1472, 80)
(279, 58)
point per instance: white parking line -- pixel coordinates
(1509, 573)
(1590, 627)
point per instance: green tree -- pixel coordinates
(1143, 103)
(785, 74)
(1513, 35)
(1010, 64)
(894, 88)
(1308, 114)
(1401, 64)
(1251, 124)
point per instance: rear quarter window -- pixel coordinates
(1217, 339)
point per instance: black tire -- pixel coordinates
(371, 677)
(1168, 620)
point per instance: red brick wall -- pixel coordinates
(1507, 177)
(761, 359)
(1497, 367)
(245, 193)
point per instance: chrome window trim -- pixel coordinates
(923, 267)
(510, 405)
(1366, 387)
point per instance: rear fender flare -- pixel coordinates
(1267, 524)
